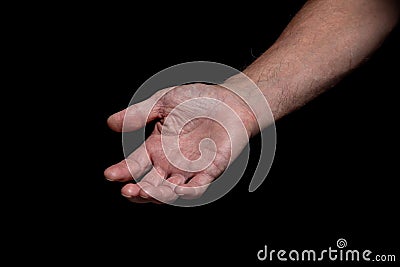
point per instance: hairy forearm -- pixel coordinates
(323, 42)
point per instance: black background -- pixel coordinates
(335, 169)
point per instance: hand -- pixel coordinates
(200, 129)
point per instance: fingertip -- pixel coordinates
(179, 190)
(110, 121)
(195, 188)
(144, 192)
(183, 190)
(130, 190)
(118, 173)
(110, 174)
(188, 191)
(114, 122)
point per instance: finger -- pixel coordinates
(174, 181)
(118, 172)
(140, 200)
(133, 167)
(137, 115)
(133, 117)
(134, 189)
(131, 192)
(161, 193)
(195, 188)
(150, 180)
(161, 190)
(153, 190)
(165, 193)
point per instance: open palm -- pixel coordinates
(200, 129)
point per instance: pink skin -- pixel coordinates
(324, 41)
(165, 182)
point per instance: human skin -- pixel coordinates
(324, 42)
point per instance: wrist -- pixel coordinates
(251, 97)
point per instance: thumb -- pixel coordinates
(137, 115)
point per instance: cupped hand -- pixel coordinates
(199, 130)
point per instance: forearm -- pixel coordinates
(323, 42)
